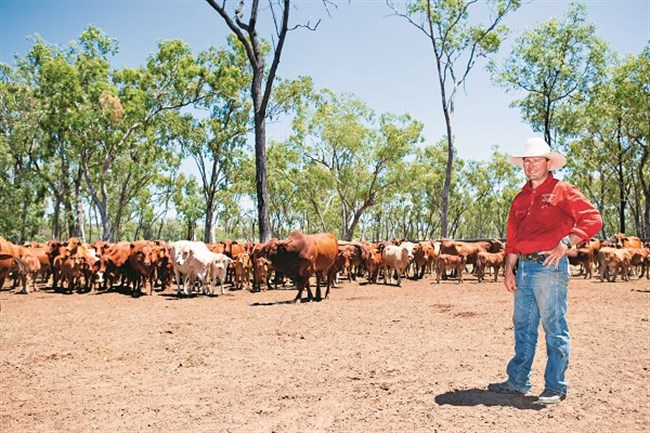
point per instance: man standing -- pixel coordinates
(546, 218)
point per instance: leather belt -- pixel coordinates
(533, 257)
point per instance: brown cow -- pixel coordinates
(639, 258)
(372, 260)
(424, 255)
(114, 263)
(261, 268)
(353, 252)
(40, 252)
(614, 260)
(165, 270)
(143, 259)
(71, 270)
(581, 257)
(624, 241)
(302, 255)
(26, 269)
(451, 261)
(242, 269)
(489, 260)
(470, 249)
(54, 249)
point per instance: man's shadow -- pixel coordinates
(476, 397)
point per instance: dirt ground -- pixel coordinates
(371, 358)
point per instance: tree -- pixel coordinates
(215, 137)
(612, 152)
(555, 65)
(22, 193)
(126, 144)
(247, 32)
(188, 201)
(457, 46)
(351, 154)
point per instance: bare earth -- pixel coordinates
(371, 358)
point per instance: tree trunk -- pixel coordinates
(621, 181)
(263, 220)
(56, 232)
(209, 216)
(444, 210)
(78, 205)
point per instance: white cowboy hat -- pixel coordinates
(536, 147)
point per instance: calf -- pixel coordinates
(71, 269)
(614, 260)
(242, 269)
(424, 255)
(217, 270)
(261, 274)
(26, 268)
(639, 258)
(489, 260)
(372, 258)
(451, 261)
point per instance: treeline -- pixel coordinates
(97, 152)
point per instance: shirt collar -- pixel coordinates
(529, 185)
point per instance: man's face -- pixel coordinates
(536, 169)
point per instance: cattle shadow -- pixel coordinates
(482, 397)
(289, 302)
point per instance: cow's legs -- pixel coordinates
(318, 292)
(299, 284)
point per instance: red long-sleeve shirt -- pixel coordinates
(539, 218)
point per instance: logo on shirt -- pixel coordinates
(547, 199)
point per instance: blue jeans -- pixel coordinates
(541, 294)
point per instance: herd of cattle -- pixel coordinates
(150, 266)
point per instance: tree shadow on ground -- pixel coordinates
(476, 397)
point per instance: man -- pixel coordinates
(546, 218)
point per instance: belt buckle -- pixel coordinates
(537, 257)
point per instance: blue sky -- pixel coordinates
(362, 49)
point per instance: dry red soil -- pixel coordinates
(371, 358)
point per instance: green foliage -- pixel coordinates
(555, 64)
(349, 159)
(86, 149)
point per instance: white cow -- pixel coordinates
(395, 258)
(193, 260)
(410, 247)
(186, 265)
(218, 268)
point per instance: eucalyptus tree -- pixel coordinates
(554, 64)
(188, 201)
(458, 43)
(612, 152)
(48, 110)
(417, 202)
(490, 185)
(287, 206)
(247, 31)
(22, 193)
(128, 148)
(361, 155)
(214, 134)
